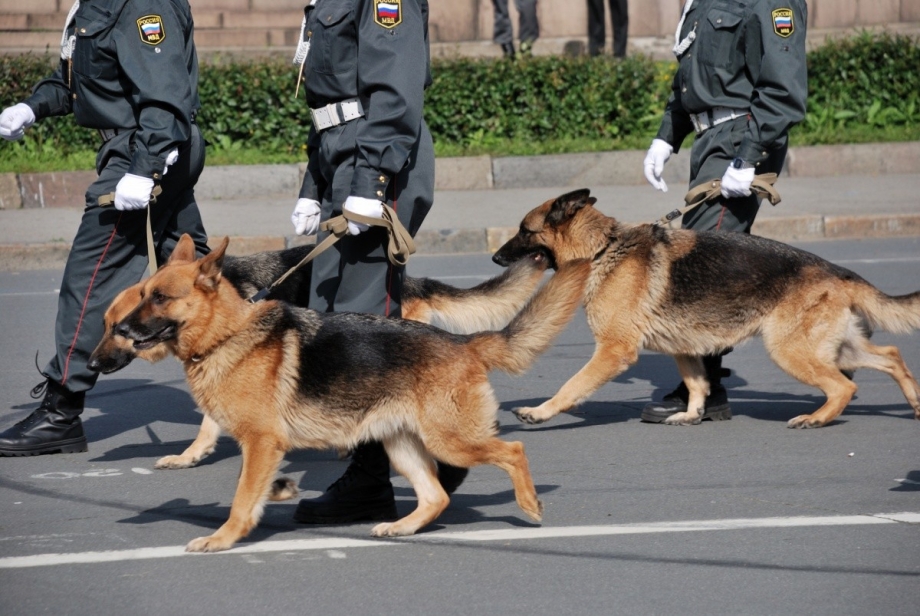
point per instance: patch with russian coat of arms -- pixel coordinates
(782, 22)
(388, 13)
(151, 29)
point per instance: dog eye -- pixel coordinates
(158, 298)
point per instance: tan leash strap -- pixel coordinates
(400, 244)
(762, 186)
(109, 199)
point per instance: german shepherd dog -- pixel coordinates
(278, 377)
(487, 306)
(692, 294)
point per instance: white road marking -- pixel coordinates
(142, 471)
(333, 545)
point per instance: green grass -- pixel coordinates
(16, 158)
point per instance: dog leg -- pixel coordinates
(261, 457)
(201, 447)
(886, 359)
(606, 363)
(410, 459)
(510, 458)
(694, 376)
(799, 359)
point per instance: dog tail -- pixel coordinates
(896, 314)
(531, 332)
(488, 306)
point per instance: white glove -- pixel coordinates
(171, 158)
(366, 207)
(133, 192)
(737, 182)
(658, 154)
(15, 120)
(306, 217)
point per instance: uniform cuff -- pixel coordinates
(754, 153)
(148, 166)
(369, 183)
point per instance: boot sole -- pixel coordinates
(75, 446)
(717, 414)
(360, 516)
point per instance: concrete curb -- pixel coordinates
(66, 189)
(21, 257)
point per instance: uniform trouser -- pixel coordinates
(109, 252)
(710, 156)
(597, 30)
(528, 26)
(354, 275)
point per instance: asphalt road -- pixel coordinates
(736, 517)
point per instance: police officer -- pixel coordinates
(365, 67)
(528, 26)
(130, 70)
(740, 85)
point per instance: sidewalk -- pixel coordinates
(870, 190)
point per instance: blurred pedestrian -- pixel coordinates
(597, 30)
(528, 26)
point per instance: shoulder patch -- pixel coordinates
(782, 22)
(151, 29)
(388, 13)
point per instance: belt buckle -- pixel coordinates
(697, 125)
(321, 118)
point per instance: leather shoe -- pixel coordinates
(54, 427)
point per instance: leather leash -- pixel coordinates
(762, 187)
(109, 199)
(399, 246)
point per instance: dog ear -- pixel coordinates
(209, 267)
(565, 206)
(184, 252)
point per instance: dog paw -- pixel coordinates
(537, 513)
(528, 415)
(283, 488)
(683, 419)
(803, 421)
(212, 543)
(173, 462)
(391, 529)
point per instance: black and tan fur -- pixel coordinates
(278, 377)
(487, 306)
(692, 294)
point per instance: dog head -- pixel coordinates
(176, 294)
(545, 229)
(115, 351)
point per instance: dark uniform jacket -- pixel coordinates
(378, 53)
(126, 73)
(748, 54)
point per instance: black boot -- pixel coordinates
(508, 50)
(363, 493)
(715, 407)
(54, 427)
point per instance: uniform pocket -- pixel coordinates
(90, 57)
(334, 46)
(720, 35)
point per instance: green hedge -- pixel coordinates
(866, 79)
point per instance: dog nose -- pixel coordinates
(93, 364)
(500, 260)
